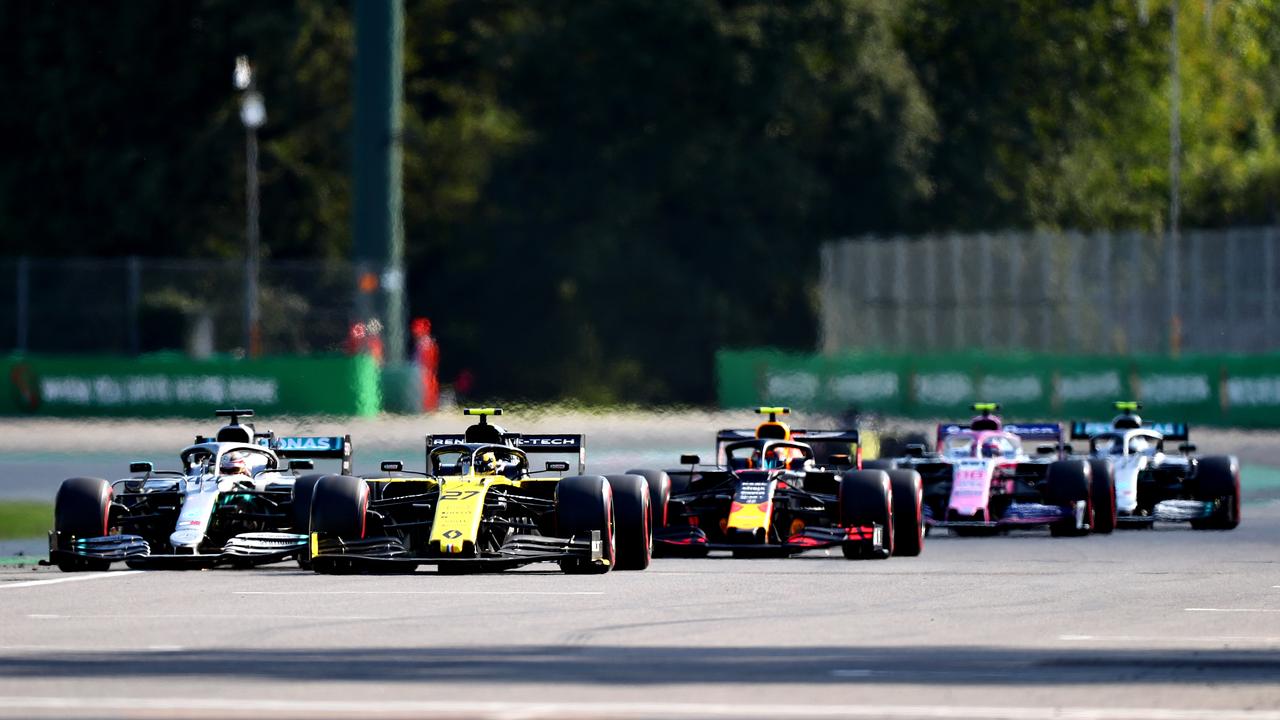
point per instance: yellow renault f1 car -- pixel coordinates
(480, 507)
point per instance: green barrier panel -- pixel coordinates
(1216, 390)
(168, 385)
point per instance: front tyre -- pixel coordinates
(303, 490)
(1102, 492)
(908, 512)
(866, 499)
(82, 509)
(339, 508)
(584, 503)
(1067, 486)
(659, 493)
(633, 513)
(1218, 480)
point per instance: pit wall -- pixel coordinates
(165, 385)
(1235, 391)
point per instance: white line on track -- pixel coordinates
(69, 578)
(249, 707)
(1173, 638)
(1234, 610)
(413, 592)
(197, 616)
(95, 649)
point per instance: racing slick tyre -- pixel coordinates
(633, 513)
(880, 464)
(303, 488)
(82, 509)
(584, 503)
(865, 499)
(1068, 485)
(339, 506)
(659, 493)
(908, 512)
(1102, 491)
(1218, 479)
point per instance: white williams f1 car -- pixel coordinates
(234, 501)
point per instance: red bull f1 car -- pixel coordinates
(479, 505)
(1154, 485)
(778, 491)
(236, 500)
(981, 481)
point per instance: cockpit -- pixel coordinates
(767, 455)
(1134, 443)
(967, 445)
(479, 460)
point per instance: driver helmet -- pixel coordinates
(486, 463)
(991, 448)
(234, 463)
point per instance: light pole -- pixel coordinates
(253, 113)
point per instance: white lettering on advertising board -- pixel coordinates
(1017, 388)
(943, 388)
(1253, 391)
(791, 385)
(1078, 387)
(1174, 388)
(865, 386)
(109, 391)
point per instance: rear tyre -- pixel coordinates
(339, 506)
(1218, 479)
(82, 509)
(633, 513)
(303, 489)
(880, 464)
(1068, 485)
(866, 498)
(584, 503)
(1102, 491)
(908, 512)
(659, 493)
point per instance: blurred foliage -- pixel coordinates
(608, 192)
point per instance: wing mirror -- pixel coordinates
(392, 466)
(840, 460)
(557, 466)
(301, 465)
(1047, 449)
(690, 459)
(141, 467)
(915, 450)
(1068, 449)
(1187, 448)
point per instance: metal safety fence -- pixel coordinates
(1210, 291)
(137, 305)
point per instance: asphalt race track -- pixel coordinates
(1167, 623)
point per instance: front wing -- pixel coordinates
(389, 554)
(691, 541)
(245, 550)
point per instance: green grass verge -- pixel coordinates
(24, 519)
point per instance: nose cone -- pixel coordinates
(186, 538)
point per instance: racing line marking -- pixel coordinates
(249, 707)
(69, 578)
(414, 592)
(1234, 610)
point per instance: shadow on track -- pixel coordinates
(669, 665)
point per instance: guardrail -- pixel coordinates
(166, 385)
(1228, 390)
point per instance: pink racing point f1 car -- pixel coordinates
(777, 491)
(981, 481)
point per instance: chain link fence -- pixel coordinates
(1096, 294)
(136, 305)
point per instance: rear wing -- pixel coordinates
(315, 447)
(1081, 430)
(825, 443)
(1025, 431)
(559, 443)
